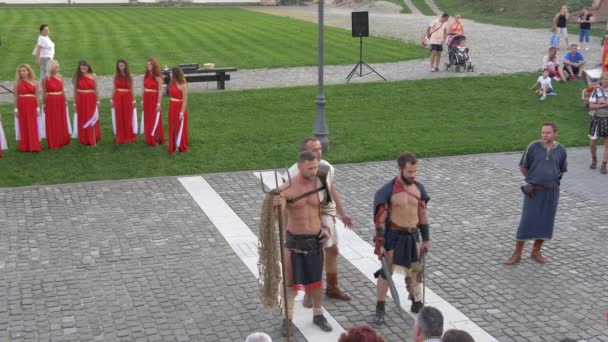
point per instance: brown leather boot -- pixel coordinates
(332, 290)
(516, 257)
(536, 251)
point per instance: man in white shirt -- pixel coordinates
(45, 50)
(328, 219)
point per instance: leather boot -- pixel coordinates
(307, 301)
(536, 251)
(379, 315)
(516, 257)
(416, 306)
(332, 290)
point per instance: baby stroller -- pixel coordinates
(458, 55)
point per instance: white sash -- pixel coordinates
(16, 128)
(75, 124)
(113, 120)
(41, 123)
(67, 118)
(3, 143)
(141, 127)
(135, 119)
(93, 120)
(156, 121)
(178, 139)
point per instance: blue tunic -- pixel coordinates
(545, 168)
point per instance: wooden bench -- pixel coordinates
(193, 73)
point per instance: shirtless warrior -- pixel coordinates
(304, 237)
(401, 219)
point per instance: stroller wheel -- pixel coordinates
(447, 67)
(470, 68)
(458, 68)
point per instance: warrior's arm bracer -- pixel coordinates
(380, 221)
(424, 231)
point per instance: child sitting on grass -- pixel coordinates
(545, 85)
(553, 67)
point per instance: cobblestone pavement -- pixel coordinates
(516, 50)
(137, 260)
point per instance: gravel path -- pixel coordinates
(494, 50)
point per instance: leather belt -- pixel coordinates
(395, 227)
(540, 187)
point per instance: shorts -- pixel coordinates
(563, 32)
(575, 70)
(437, 47)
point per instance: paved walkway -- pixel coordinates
(143, 260)
(494, 50)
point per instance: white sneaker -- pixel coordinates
(543, 97)
(552, 94)
(586, 49)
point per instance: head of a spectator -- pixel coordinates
(363, 333)
(44, 30)
(444, 17)
(564, 10)
(429, 324)
(457, 18)
(554, 31)
(455, 335)
(585, 10)
(573, 49)
(313, 145)
(545, 73)
(552, 51)
(258, 337)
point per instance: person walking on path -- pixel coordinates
(598, 102)
(44, 50)
(55, 108)
(329, 210)
(437, 33)
(400, 217)
(25, 95)
(584, 29)
(543, 164)
(561, 22)
(456, 28)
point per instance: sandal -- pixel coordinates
(603, 168)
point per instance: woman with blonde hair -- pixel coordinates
(55, 108)
(151, 99)
(86, 104)
(123, 103)
(561, 22)
(25, 96)
(178, 113)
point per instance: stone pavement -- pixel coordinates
(137, 260)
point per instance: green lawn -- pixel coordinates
(224, 36)
(518, 13)
(423, 7)
(255, 129)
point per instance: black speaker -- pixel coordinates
(360, 24)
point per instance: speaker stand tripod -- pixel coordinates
(6, 90)
(358, 69)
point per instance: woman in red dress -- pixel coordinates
(123, 102)
(178, 115)
(153, 92)
(25, 94)
(86, 104)
(55, 108)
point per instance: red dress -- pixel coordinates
(175, 105)
(86, 103)
(56, 120)
(123, 107)
(27, 106)
(150, 101)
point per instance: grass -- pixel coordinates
(224, 36)
(518, 13)
(423, 7)
(257, 129)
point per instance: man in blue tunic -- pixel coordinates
(543, 164)
(401, 220)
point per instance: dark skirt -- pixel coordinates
(598, 127)
(403, 245)
(538, 215)
(306, 253)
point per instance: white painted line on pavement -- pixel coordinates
(245, 245)
(361, 255)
